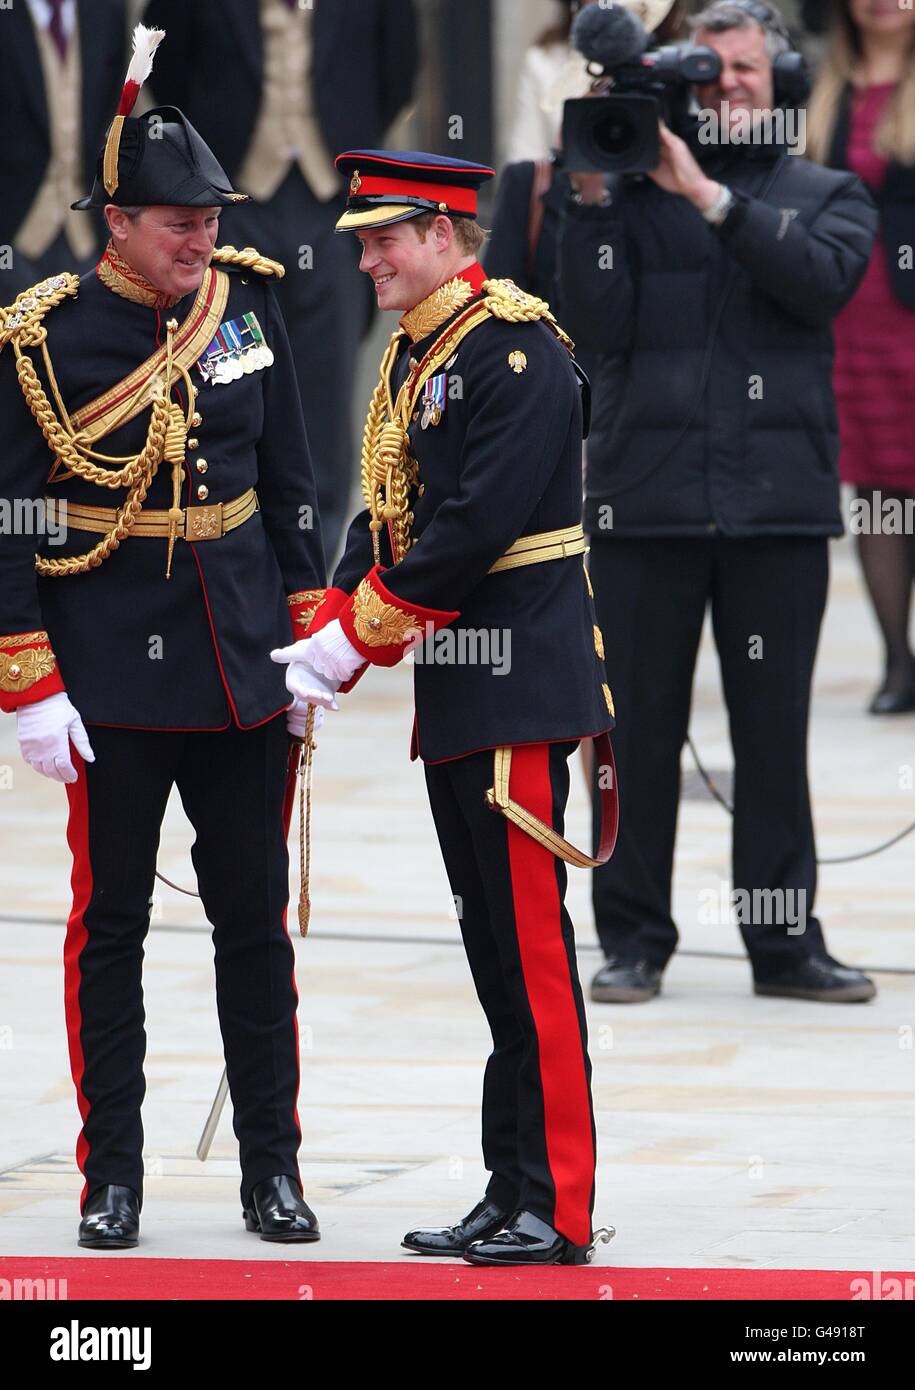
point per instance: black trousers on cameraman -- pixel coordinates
(767, 597)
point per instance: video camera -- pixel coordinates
(617, 131)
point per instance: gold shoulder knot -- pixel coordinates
(250, 258)
(504, 300)
(22, 320)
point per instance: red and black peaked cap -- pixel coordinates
(392, 185)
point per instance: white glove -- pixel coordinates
(45, 730)
(330, 653)
(309, 688)
(297, 715)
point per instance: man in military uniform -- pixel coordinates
(137, 657)
(472, 479)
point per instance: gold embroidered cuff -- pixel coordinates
(302, 608)
(28, 670)
(379, 624)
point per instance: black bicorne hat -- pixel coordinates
(156, 158)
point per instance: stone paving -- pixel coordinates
(733, 1131)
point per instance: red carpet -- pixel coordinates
(128, 1276)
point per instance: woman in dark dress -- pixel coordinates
(862, 117)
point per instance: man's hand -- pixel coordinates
(330, 653)
(297, 717)
(678, 172)
(45, 731)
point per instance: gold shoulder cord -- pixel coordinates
(250, 258)
(388, 470)
(22, 325)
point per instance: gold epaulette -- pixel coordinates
(250, 258)
(504, 300)
(22, 320)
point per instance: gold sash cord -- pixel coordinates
(388, 470)
(70, 438)
(499, 798)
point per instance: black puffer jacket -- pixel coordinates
(713, 402)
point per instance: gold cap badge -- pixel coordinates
(355, 182)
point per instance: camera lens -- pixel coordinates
(615, 134)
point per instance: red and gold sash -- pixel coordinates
(125, 400)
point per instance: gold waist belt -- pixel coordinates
(546, 545)
(204, 523)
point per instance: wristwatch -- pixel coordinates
(722, 205)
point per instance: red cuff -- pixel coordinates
(381, 626)
(324, 612)
(28, 670)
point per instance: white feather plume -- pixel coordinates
(145, 43)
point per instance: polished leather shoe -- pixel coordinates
(625, 982)
(111, 1219)
(277, 1211)
(526, 1240)
(888, 701)
(485, 1219)
(821, 978)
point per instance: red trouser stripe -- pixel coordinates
(81, 884)
(288, 808)
(545, 966)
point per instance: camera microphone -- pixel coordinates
(611, 37)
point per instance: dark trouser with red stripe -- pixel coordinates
(538, 1122)
(237, 792)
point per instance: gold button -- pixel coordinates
(196, 391)
(201, 465)
(375, 624)
(409, 518)
(203, 492)
(14, 672)
(196, 419)
(421, 489)
(193, 443)
(416, 415)
(413, 364)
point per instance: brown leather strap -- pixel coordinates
(540, 183)
(498, 797)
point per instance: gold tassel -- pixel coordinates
(304, 771)
(175, 448)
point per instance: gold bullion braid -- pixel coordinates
(250, 258)
(164, 436)
(388, 469)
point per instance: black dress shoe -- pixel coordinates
(277, 1211)
(111, 1219)
(888, 701)
(625, 982)
(821, 978)
(526, 1240)
(483, 1221)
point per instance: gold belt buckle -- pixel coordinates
(203, 523)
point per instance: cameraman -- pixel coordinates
(708, 289)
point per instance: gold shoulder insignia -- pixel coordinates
(22, 320)
(250, 258)
(504, 300)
